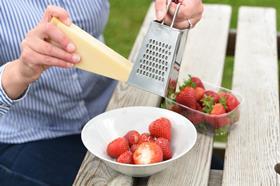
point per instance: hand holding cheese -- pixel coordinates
(95, 56)
(37, 53)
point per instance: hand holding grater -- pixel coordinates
(157, 65)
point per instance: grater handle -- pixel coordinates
(175, 14)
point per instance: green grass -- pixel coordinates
(126, 18)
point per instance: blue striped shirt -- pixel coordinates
(62, 100)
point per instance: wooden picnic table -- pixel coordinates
(253, 145)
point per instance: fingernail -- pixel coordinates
(70, 47)
(160, 15)
(76, 58)
(70, 65)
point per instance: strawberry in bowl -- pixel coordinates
(210, 108)
(139, 141)
(149, 147)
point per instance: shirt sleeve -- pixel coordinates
(5, 101)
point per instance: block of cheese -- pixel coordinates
(96, 57)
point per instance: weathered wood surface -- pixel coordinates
(93, 171)
(204, 57)
(215, 178)
(253, 146)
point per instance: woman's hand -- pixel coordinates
(189, 14)
(44, 46)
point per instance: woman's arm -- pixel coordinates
(38, 54)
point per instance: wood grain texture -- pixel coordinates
(215, 178)
(253, 146)
(93, 171)
(204, 57)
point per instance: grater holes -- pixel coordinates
(166, 57)
(153, 41)
(156, 54)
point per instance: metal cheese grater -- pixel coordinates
(158, 63)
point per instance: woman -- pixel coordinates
(44, 101)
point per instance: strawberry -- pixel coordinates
(147, 152)
(199, 92)
(145, 137)
(198, 106)
(165, 147)
(211, 120)
(195, 118)
(132, 137)
(117, 147)
(232, 102)
(125, 157)
(133, 147)
(222, 121)
(229, 100)
(192, 82)
(213, 94)
(218, 109)
(197, 81)
(187, 97)
(161, 128)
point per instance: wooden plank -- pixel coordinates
(215, 178)
(93, 171)
(204, 57)
(253, 146)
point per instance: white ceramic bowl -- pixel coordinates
(104, 128)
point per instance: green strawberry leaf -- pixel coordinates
(207, 103)
(223, 101)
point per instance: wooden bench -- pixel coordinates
(255, 75)
(253, 147)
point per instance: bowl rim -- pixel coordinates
(141, 165)
(235, 93)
